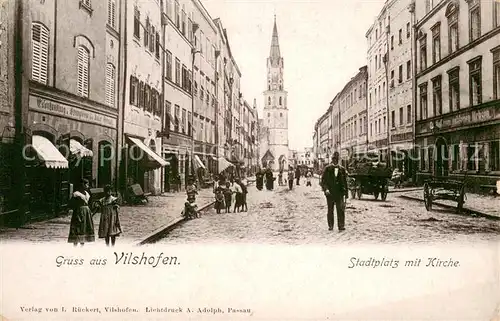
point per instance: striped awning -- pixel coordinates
(79, 150)
(155, 159)
(223, 164)
(198, 163)
(48, 153)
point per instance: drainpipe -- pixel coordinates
(121, 79)
(163, 29)
(121, 131)
(217, 54)
(414, 88)
(389, 126)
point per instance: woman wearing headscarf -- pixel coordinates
(81, 229)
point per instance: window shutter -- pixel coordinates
(131, 90)
(110, 85)
(83, 71)
(113, 13)
(40, 53)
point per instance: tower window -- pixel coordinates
(280, 101)
(269, 101)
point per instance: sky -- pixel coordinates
(322, 42)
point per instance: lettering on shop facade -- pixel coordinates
(58, 109)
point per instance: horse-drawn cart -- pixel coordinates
(442, 188)
(369, 178)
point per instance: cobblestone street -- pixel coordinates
(299, 217)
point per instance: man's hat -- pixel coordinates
(335, 155)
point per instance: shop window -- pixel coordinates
(39, 53)
(455, 157)
(494, 148)
(472, 155)
(104, 165)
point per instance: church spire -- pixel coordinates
(275, 46)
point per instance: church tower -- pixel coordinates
(275, 116)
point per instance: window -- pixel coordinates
(408, 30)
(400, 36)
(423, 101)
(436, 43)
(112, 13)
(392, 79)
(355, 94)
(379, 125)
(474, 19)
(454, 84)
(385, 124)
(190, 30)
(452, 16)
(202, 42)
(177, 115)
(360, 91)
(183, 25)
(401, 116)
(147, 97)
(146, 33)
(376, 62)
(183, 125)
(157, 46)
(152, 39)
(39, 53)
(475, 90)
(177, 71)
(437, 96)
(169, 65)
(408, 69)
(177, 15)
(141, 95)
(455, 157)
(408, 114)
(494, 155)
(400, 74)
(280, 101)
(137, 23)
(472, 155)
(393, 119)
(423, 53)
(497, 13)
(392, 42)
(83, 71)
(134, 94)
(371, 129)
(269, 101)
(496, 74)
(110, 84)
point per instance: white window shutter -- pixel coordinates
(40, 53)
(110, 85)
(83, 71)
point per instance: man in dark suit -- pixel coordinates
(334, 185)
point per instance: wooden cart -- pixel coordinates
(376, 185)
(442, 188)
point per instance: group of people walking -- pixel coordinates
(228, 190)
(82, 224)
(267, 178)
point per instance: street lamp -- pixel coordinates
(194, 51)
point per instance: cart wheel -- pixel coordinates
(461, 200)
(384, 193)
(427, 197)
(376, 194)
(359, 193)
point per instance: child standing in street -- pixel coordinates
(308, 178)
(219, 199)
(228, 195)
(109, 224)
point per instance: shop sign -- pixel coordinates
(463, 119)
(58, 109)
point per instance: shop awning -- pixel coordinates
(198, 163)
(78, 149)
(157, 161)
(223, 164)
(48, 153)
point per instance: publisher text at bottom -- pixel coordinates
(198, 310)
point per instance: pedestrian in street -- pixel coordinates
(81, 228)
(280, 178)
(244, 189)
(290, 177)
(190, 205)
(297, 175)
(334, 185)
(219, 199)
(259, 179)
(238, 196)
(109, 223)
(269, 179)
(228, 195)
(308, 178)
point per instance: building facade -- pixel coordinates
(400, 86)
(275, 113)
(69, 101)
(377, 37)
(458, 90)
(353, 116)
(324, 138)
(142, 108)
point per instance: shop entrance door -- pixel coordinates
(441, 165)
